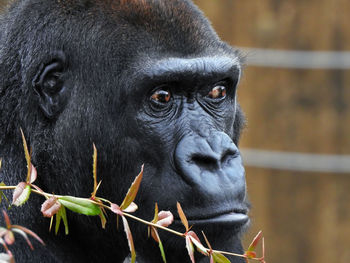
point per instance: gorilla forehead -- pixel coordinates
(175, 25)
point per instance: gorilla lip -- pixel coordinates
(238, 218)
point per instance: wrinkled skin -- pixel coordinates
(149, 82)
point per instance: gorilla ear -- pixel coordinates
(48, 84)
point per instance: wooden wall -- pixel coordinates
(305, 216)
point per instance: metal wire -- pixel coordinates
(297, 59)
(293, 161)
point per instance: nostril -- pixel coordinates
(228, 156)
(205, 161)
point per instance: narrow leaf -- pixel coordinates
(255, 242)
(156, 237)
(134, 188)
(7, 219)
(51, 222)
(29, 232)
(190, 248)
(33, 174)
(130, 239)
(219, 258)
(80, 205)
(25, 236)
(182, 216)
(103, 218)
(21, 194)
(94, 168)
(2, 195)
(50, 207)
(162, 250)
(154, 221)
(27, 155)
(206, 241)
(195, 240)
(63, 215)
(155, 218)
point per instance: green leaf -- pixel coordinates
(155, 232)
(21, 194)
(61, 214)
(131, 194)
(64, 218)
(80, 205)
(58, 221)
(219, 258)
(2, 195)
(161, 249)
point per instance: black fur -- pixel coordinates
(74, 73)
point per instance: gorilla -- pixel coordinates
(149, 82)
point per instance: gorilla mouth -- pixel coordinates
(237, 217)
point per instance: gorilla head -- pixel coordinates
(149, 82)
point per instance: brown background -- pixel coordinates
(305, 216)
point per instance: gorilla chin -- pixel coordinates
(148, 82)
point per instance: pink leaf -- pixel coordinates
(24, 235)
(7, 257)
(29, 232)
(9, 237)
(195, 240)
(50, 207)
(7, 219)
(131, 208)
(165, 218)
(33, 174)
(190, 248)
(130, 239)
(21, 194)
(116, 209)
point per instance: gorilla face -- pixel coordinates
(149, 82)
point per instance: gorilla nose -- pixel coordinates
(209, 159)
(212, 159)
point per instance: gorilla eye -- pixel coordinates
(162, 96)
(217, 92)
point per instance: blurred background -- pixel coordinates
(295, 92)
